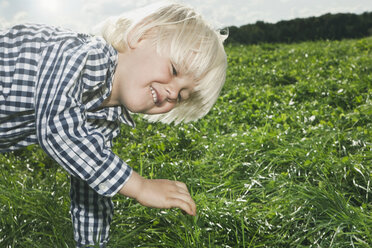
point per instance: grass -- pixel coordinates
(282, 160)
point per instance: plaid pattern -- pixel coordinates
(91, 214)
(51, 83)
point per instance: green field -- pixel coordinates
(284, 159)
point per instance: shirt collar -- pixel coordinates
(120, 113)
(117, 113)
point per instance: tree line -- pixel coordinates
(328, 26)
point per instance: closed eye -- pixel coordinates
(174, 71)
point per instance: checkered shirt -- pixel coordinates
(52, 82)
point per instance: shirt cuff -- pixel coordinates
(110, 177)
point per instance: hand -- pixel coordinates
(159, 193)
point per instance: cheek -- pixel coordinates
(162, 109)
(131, 97)
(169, 107)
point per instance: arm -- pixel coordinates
(65, 70)
(159, 193)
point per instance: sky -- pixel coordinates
(82, 15)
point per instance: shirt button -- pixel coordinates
(103, 186)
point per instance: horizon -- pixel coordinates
(302, 18)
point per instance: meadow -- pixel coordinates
(284, 159)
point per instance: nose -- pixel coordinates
(172, 92)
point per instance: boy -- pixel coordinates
(70, 92)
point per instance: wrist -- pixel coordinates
(133, 187)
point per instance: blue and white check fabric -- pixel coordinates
(52, 83)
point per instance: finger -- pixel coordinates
(183, 205)
(187, 199)
(181, 193)
(182, 188)
(181, 185)
(185, 196)
(175, 185)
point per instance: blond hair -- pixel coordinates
(196, 49)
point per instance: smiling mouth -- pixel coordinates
(154, 95)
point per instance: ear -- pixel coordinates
(133, 41)
(135, 35)
(134, 38)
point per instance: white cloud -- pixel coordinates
(95, 11)
(4, 4)
(81, 15)
(107, 7)
(19, 17)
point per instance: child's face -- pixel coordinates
(146, 82)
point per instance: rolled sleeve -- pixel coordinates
(61, 117)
